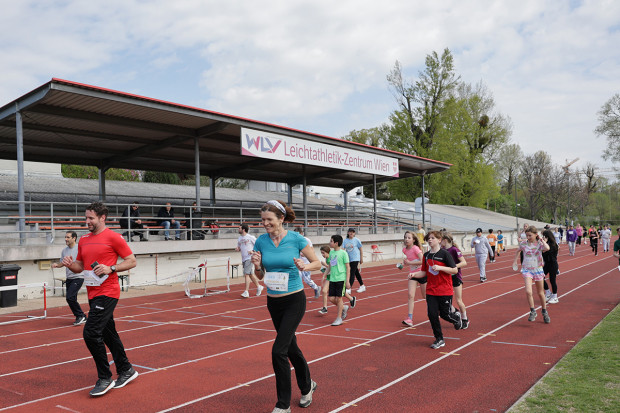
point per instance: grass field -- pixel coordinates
(587, 379)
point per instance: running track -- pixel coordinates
(213, 354)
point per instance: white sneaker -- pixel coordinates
(553, 299)
(345, 310)
(259, 290)
(547, 295)
(245, 294)
(361, 289)
(337, 322)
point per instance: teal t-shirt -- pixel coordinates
(338, 261)
(281, 259)
(617, 247)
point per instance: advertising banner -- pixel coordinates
(284, 148)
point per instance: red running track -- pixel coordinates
(214, 354)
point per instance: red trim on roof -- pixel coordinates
(117, 92)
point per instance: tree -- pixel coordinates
(92, 172)
(421, 101)
(161, 177)
(609, 126)
(534, 177)
(507, 164)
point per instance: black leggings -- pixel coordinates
(553, 273)
(594, 245)
(286, 313)
(355, 273)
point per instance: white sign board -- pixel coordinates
(285, 148)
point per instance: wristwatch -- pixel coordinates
(113, 268)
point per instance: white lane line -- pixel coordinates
(522, 344)
(67, 409)
(398, 380)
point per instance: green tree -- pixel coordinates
(92, 172)
(609, 126)
(161, 177)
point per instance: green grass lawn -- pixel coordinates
(587, 379)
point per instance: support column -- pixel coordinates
(21, 196)
(212, 187)
(303, 168)
(374, 201)
(101, 172)
(197, 170)
(423, 197)
(290, 195)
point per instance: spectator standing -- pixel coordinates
(131, 218)
(99, 252)
(245, 244)
(420, 233)
(74, 281)
(353, 246)
(482, 250)
(166, 219)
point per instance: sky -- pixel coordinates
(321, 66)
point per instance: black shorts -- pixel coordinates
(456, 281)
(420, 280)
(336, 289)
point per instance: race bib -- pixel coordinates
(430, 269)
(276, 281)
(93, 280)
(530, 261)
(333, 262)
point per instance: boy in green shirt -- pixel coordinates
(617, 247)
(337, 273)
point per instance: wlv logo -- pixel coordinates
(263, 144)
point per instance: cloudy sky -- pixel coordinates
(320, 65)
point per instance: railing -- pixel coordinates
(51, 219)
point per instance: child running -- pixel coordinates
(550, 268)
(492, 241)
(500, 242)
(439, 264)
(448, 243)
(617, 247)
(325, 250)
(532, 270)
(413, 258)
(482, 249)
(338, 270)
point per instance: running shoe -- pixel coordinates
(306, 399)
(408, 322)
(259, 290)
(125, 377)
(437, 344)
(465, 324)
(245, 294)
(345, 310)
(459, 324)
(547, 295)
(553, 299)
(352, 301)
(79, 320)
(546, 317)
(532, 316)
(317, 293)
(337, 322)
(102, 387)
(361, 289)
(323, 310)
(278, 410)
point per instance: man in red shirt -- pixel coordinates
(438, 266)
(98, 253)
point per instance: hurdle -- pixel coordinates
(208, 292)
(22, 318)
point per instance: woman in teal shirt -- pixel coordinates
(276, 261)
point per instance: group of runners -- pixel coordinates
(281, 259)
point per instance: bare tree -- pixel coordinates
(609, 126)
(535, 171)
(507, 165)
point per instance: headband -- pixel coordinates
(277, 205)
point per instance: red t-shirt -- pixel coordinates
(105, 248)
(439, 284)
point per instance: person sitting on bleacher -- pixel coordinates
(166, 215)
(132, 211)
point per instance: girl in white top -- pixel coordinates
(413, 258)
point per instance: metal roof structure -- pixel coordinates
(72, 123)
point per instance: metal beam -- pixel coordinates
(21, 196)
(111, 119)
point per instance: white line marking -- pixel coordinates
(522, 344)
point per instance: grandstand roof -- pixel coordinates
(73, 123)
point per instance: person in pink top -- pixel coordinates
(579, 231)
(532, 270)
(413, 259)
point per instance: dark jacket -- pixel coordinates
(165, 215)
(133, 213)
